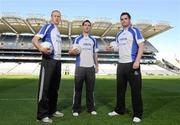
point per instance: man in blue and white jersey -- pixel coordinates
(86, 66)
(130, 44)
(50, 73)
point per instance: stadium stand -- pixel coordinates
(66, 43)
(8, 41)
(24, 42)
(68, 69)
(173, 62)
(28, 68)
(17, 51)
(101, 44)
(7, 67)
(155, 70)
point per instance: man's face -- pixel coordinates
(125, 21)
(56, 18)
(86, 27)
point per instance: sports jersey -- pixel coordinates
(50, 33)
(127, 41)
(88, 46)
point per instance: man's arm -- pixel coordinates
(96, 61)
(109, 48)
(36, 43)
(73, 52)
(139, 55)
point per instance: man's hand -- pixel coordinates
(136, 65)
(73, 51)
(139, 55)
(109, 48)
(45, 50)
(96, 69)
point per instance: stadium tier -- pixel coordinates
(172, 64)
(16, 34)
(14, 68)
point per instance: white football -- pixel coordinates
(47, 45)
(77, 46)
(114, 45)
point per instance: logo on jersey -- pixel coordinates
(86, 44)
(136, 73)
(123, 39)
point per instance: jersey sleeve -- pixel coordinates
(42, 32)
(139, 37)
(75, 40)
(96, 46)
(116, 38)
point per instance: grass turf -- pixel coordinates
(161, 97)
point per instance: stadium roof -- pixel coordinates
(19, 25)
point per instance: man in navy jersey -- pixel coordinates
(86, 66)
(130, 43)
(50, 73)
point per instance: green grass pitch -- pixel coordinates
(161, 97)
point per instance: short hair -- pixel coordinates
(85, 22)
(55, 11)
(126, 13)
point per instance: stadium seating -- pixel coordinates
(101, 44)
(24, 42)
(5, 68)
(104, 69)
(17, 48)
(65, 43)
(155, 70)
(173, 62)
(149, 48)
(8, 41)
